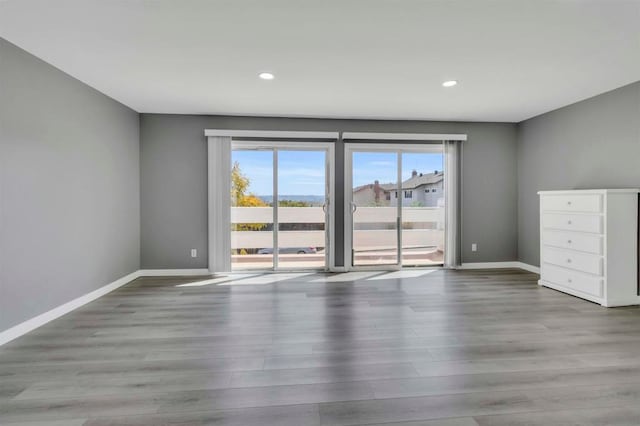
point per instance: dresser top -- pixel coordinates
(590, 191)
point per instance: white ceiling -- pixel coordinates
(337, 58)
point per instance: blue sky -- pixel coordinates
(303, 172)
(382, 166)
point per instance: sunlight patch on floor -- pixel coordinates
(345, 277)
(266, 278)
(217, 280)
(401, 274)
(262, 279)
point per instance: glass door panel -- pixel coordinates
(252, 214)
(422, 208)
(375, 233)
(302, 201)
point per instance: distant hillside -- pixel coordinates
(316, 200)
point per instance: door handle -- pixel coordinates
(399, 239)
(354, 207)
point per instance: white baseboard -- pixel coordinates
(500, 265)
(489, 265)
(530, 268)
(172, 272)
(40, 320)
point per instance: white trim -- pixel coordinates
(282, 145)
(349, 149)
(488, 265)
(40, 320)
(530, 268)
(500, 265)
(399, 205)
(407, 147)
(329, 148)
(404, 136)
(31, 324)
(173, 272)
(331, 211)
(275, 210)
(275, 145)
(270, 134)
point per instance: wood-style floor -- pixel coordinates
(414, 348)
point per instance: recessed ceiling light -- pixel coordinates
(450, 83)
(266, 76)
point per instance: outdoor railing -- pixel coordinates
(422, 227)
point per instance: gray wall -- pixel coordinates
(69, 188)
(591, 144)
(174, 182)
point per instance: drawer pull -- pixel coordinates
(568, 222)
(569, 203)
(568, 241)
(568, 260)
(569, 280)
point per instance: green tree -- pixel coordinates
(239, 185)
(293, 203)
(240, 198)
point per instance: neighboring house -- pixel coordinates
(420, 190)
(371, 194)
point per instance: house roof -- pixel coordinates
(388, 186)
(361, 187)
(411, 183)
(419, 180)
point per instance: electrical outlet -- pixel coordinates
(474, 247)
(194, 253)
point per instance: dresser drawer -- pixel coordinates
(571, 279)
(573, 240)
(584, 262)
(573, 222)
(587, 203)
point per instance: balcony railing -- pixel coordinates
(422, 227)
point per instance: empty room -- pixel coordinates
(314, 213)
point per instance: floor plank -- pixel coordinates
(439, 348)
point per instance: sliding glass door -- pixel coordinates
(302, 209)
(375, 222)
(252, 212)
(396, 211)
(279, 206)
(423, 214)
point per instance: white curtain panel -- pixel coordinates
(452, 160)
(219, 151)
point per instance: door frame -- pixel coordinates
(349, 149)
(280, 145)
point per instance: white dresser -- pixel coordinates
(589, 244)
